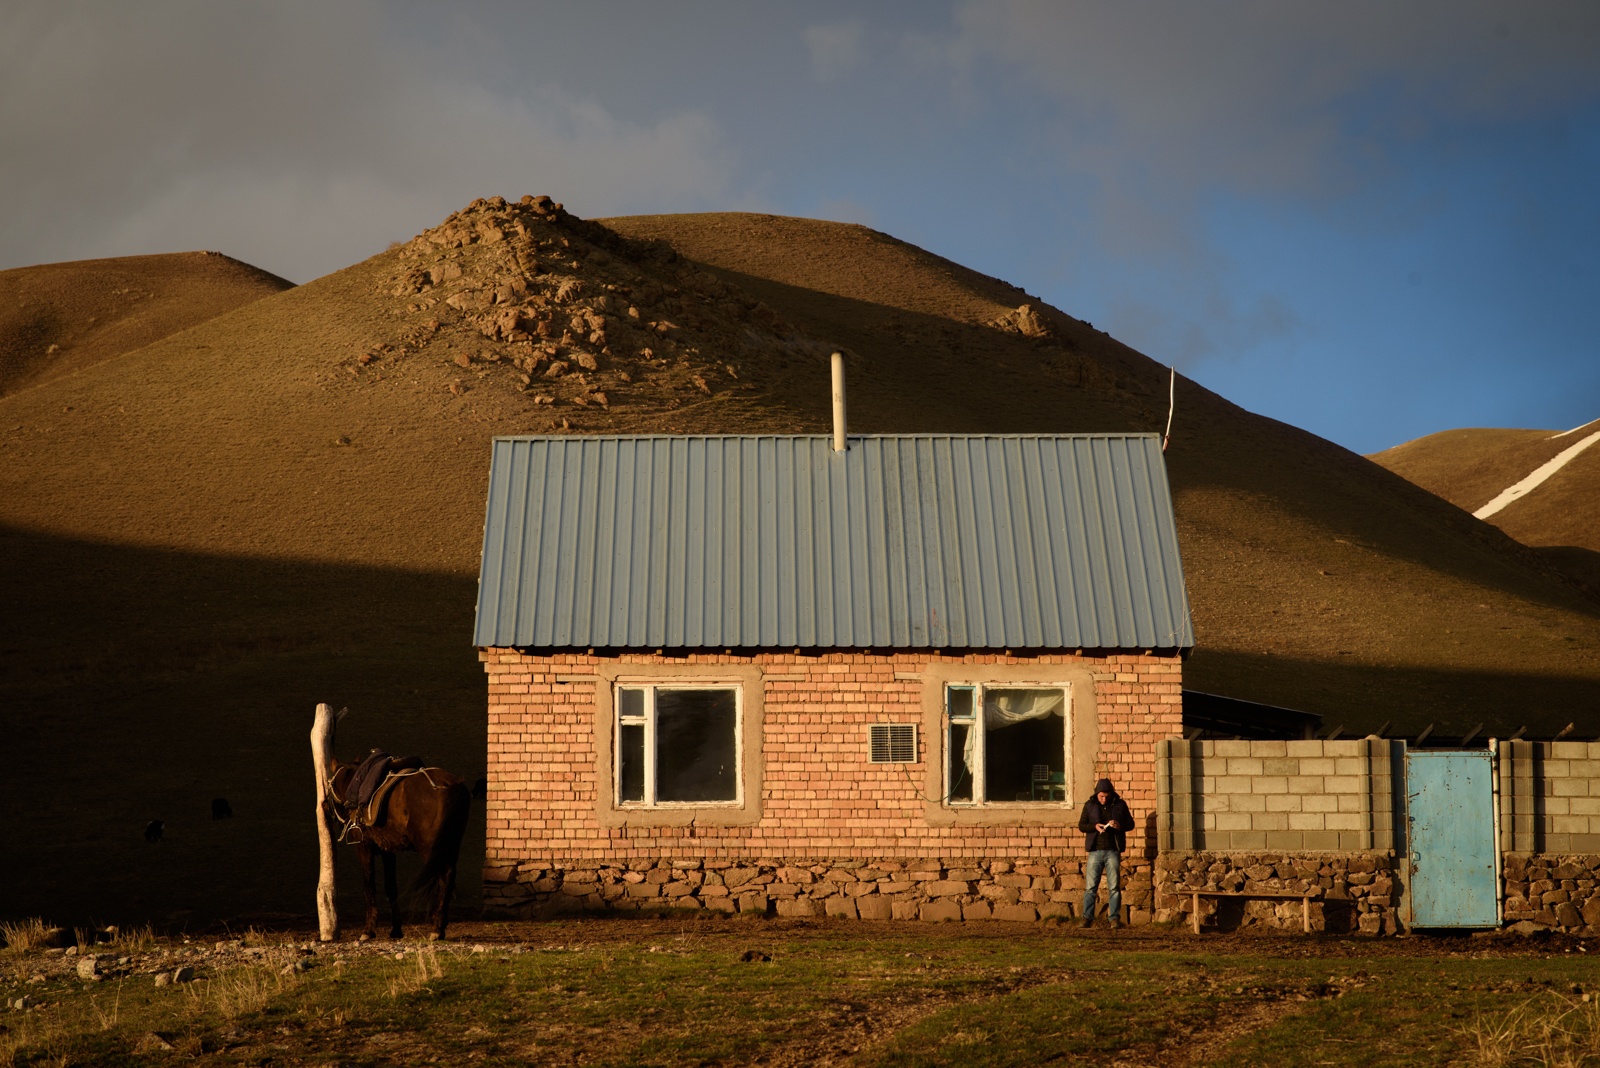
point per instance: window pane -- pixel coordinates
(630, 762)
(1024, 745)
(696, 758)
(630, 704)
(960, 776)
(960, 698)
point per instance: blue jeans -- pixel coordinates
(1110, 862)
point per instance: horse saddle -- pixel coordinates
(369, 787)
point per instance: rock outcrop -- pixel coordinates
(526, 291)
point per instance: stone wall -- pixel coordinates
(1279, 795)
(552, 829)
(1553, 891)
(882, 889)
(1356, 891)
(1550, 834)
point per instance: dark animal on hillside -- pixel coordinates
(152, 831)
(421, 809)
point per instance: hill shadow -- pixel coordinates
(143, 683)
(1582, 564)
(1363, 697)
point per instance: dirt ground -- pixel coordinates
(789, 992)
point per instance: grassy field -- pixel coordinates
(740, 991)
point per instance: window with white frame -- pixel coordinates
(1006, 744)
(677, 745)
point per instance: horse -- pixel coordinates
(426, 812)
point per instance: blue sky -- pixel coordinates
(1372, 220)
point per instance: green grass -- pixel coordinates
(683, 993)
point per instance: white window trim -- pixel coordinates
(980, 800)
(650, 688)
(601, 788)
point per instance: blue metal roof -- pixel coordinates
(916, 541)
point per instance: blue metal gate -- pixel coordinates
(1450, 811)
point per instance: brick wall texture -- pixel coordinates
(823, 805)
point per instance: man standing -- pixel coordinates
(1105, 823)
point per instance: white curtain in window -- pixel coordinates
(1002, 708)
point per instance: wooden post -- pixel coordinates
(321, 756)
(838, 402)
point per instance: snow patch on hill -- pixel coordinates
(1532, 482)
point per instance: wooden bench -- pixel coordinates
(1305, 897)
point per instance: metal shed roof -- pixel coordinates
(917, 541)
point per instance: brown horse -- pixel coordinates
(426, 812)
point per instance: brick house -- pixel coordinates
(769, 674)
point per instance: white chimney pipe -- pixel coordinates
(838, 402)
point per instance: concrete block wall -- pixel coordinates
(1550, 797)
(1240, 796)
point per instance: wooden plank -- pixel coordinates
(1287, 895)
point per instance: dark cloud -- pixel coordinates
(1216, 182)
(1265, 96)
(302, 136)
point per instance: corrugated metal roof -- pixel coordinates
(917, 541)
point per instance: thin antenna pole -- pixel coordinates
(1172, 404)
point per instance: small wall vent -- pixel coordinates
(894, 743)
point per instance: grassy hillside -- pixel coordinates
(284, 505)
(59, 318)
(1560, 517)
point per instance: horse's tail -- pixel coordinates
(447, 845)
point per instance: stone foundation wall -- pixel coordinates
(1359, 891)
(888, 889)
(1561, 892)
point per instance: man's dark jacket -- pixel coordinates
(1115, 810)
